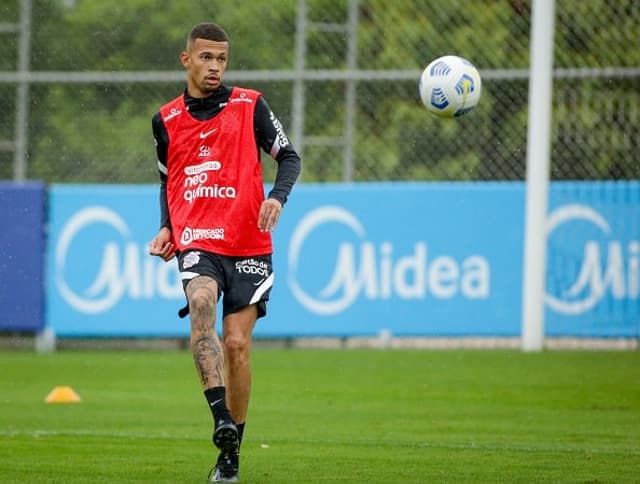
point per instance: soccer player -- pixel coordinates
(216, 219)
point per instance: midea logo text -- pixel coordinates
(125, 268)
(376, 272)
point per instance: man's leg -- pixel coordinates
(236, 338)
(202, 294)
(208, 355)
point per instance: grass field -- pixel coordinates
(328, 416)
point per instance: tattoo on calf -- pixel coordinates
(205, 345)
(209, 360)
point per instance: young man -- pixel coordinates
(215, 217)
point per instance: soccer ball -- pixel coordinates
(450, 86)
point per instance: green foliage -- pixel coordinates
(8, 54)
(597, 33)
(101, 133)
(347, 416)
(413, 32)
(79, 155)
(596, 129)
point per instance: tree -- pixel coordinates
(101, 132)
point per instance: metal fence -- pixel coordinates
(80, 80)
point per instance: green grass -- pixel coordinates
(328, 416)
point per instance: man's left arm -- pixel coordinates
(272, 139)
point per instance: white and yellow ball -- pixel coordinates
(450, 86)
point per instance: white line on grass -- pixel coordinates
(363, 443)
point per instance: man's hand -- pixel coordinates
(162, 246)
(269, 215)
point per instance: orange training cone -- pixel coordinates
(62, 394)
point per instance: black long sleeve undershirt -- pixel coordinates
(266, 133)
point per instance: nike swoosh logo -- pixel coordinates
(218, 400)
(204, 134)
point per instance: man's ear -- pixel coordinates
(185, 59)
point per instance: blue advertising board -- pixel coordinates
(100, 279)
(416, 259)
(425, 259)
(22, 247)
(593, 259)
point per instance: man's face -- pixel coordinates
(206, 63)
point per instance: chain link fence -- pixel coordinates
(80, 80)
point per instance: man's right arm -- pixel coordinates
(162, 244)
(161, 140)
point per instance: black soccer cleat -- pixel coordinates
(225, 436)
(226, 468)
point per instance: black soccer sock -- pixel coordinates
(240, 431)
(216, 398)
